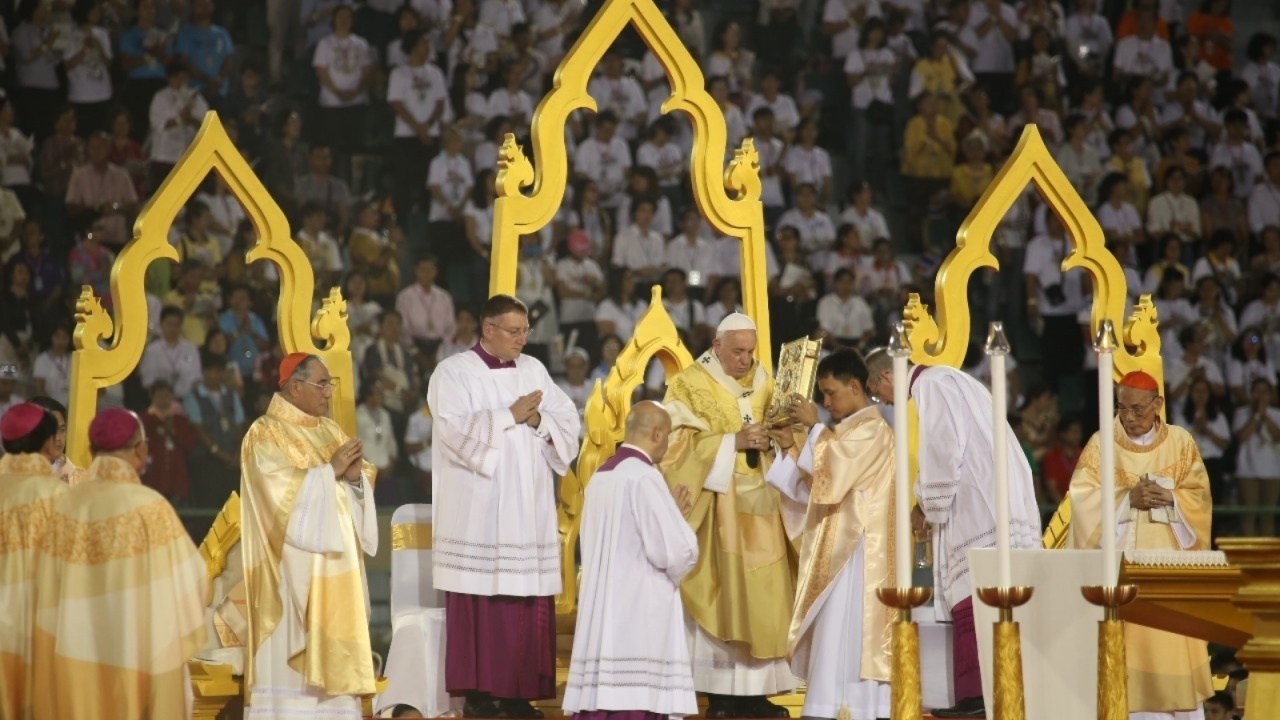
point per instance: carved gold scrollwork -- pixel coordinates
(740, 216)
(605, 420)
(946, 340)
(97, 363)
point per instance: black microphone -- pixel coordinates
(753, 459)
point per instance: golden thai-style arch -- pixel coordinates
(605, 419)
(946, 341)
(740, 216)
(106, 352)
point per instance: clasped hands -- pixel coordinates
(803, 412)
(525, 409)
(1148, 495)
(347, 459)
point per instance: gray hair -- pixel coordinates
(303, 371)
(878, 362)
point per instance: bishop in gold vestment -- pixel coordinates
(28, 488)
(1162, 503)
(120, 592)
(307, 512)
(837, 490)
(740, 593)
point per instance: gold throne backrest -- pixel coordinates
(945, 341)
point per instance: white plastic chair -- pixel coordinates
(415, 662)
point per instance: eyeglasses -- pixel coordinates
(1136, 410)
(512, 332)
(326, 386)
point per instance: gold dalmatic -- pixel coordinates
(276, 454)
(1166, 672)
(121, 593)
(28, 489)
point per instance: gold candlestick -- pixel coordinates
(905, 679)
(1113, 682)
(1009, 703)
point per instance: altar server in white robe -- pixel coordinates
(630, 651)
(307, 518)
(503, 429)
(954, 494)
(837, 490)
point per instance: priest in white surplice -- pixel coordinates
(503, 430)
(837, 491)
(954, 493)
(630, 652)
(307, 514)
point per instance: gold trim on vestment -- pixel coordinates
(411, 536)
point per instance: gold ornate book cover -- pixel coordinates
(796, 375)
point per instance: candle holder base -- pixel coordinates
(1009, 703)
(1113, 684)
(904, 683)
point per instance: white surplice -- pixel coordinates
(493, 480)
(629, 649)
(829, 655)
(314, 527)
(956, 486)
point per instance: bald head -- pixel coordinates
(648, 427)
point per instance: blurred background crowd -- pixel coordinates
(879, 124)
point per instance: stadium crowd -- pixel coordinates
(879, 124)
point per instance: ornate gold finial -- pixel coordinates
(741, 216)
(605, 419)
(94, 367)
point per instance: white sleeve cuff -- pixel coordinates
(806, 456)
(364, 515)
(1181, 530)
(313, 521)
(785, 476)
(543, 430)
(722, 468)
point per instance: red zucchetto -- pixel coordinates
(19, 421)
(289, 364)
(112, 429)
(1140, 380)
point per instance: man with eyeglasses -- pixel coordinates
(954, 494)
(306, 499)
(62, 465)
(502, 430)
(1162, 503)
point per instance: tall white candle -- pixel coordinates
(1105, 345)
(997, 349)
(900, 351)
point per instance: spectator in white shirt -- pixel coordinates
(580, 286)
(1263, 75)
(693, 253)
(1119, 218)
(1264, 314)
(644, 183)
(1264, 201)
(469, 41)
(171, 357)
(1184, 108)
(375, 430)
(1248, 360)
(1054, 298)
(1219, 262)
(728, 299)
(1089, 39)
(618, 313)
(511, 100)
(1238, 154)
(87, 59)
(869, 221)
(770, 149)
(501, 16)
(786, 116)
(419, 97)
(869, 70)
(576, 384)
(417, 445)
(817, 232)
(841, 20)
(730, 60)
(1144, 54)
(663, 155)
(605, 159)
(1258, 461)
(176, 114)
(344, 64)
(844, 319)
(619, 94)
(734, 121)
(552, 21)
(1204, 417)
(1174, 211)
(805, 162)
(449, 180)
(639, 247)
(686, 312)
(1193, 364)
(995, 25)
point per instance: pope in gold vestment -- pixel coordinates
(741, 591)
(28, 489)
(1167, 673)
(121, 591)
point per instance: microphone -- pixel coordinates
(753, 459)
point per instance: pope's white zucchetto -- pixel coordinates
(735, 321)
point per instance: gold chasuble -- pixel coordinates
(120, 598)
(276, 454)
(1167, 672)
(28, 488)
(743, 586)
(850, 502)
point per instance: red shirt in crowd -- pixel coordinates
(1058, 465)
